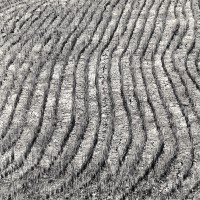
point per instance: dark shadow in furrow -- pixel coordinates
(186, 66)
(15, 42)
(20, 91)
(45, 96)
(55, 56)
(13, 142)
(13, 14)
(195, 188)
(85, 126)
(28, 104)
(41, 35)
(166, 108)
(189, 51)
(5, 7)
(86, 118)
(196, 62)
(113, 48)
(11, 61)
(23, 22)
(74, 42)
(103, 48)
(90, 155)
(172, 126)
(27, 28)
(72, 123)
(167, 172)
(169, 115)
(46, 41)
(12, 30)
(135, 92)
(184, 83)
(57, 98)
(139, 106)
(102, 163)
(29, 39)
(161, 145)
(10, 11)
(125, 104)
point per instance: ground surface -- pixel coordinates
(99, 99)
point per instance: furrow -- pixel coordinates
(9, 58)
(113, 28)
(56, 55)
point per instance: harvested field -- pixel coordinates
(99, 99)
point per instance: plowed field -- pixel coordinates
(99, 99)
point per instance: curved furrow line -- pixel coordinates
(122, 136)
(16, 37)
(43, 102)
(131, 31)
(191, 86)
(81, 98)
(131, 110)
(77, 143)
(113, 30)
(14, 25)
(66, 89)
(41, 76)
(80, 161)
(5, 96)
(46, 49)
(25, 51)
(190, 181)
(19, 174)
(162, 114)
(183, 114)
(20, 58)
(161, 122)
(102, 161)
(56, 56)
(152, 147)
(26, 93)
(191, 47)
(192, 62)
(61, 134)
(6, 7)
(30, 131)
(188, 45)
(9, 18)
(79, 58)
(100, 99)
(141, 103)
(106, 43)
(161, 145)
(119, 29)
(92, 96)
(119, 9)
(8, 59)
(11, 9)
(22, 55)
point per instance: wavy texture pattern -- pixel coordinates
(99, 99)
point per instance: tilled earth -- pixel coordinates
(99, 99)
